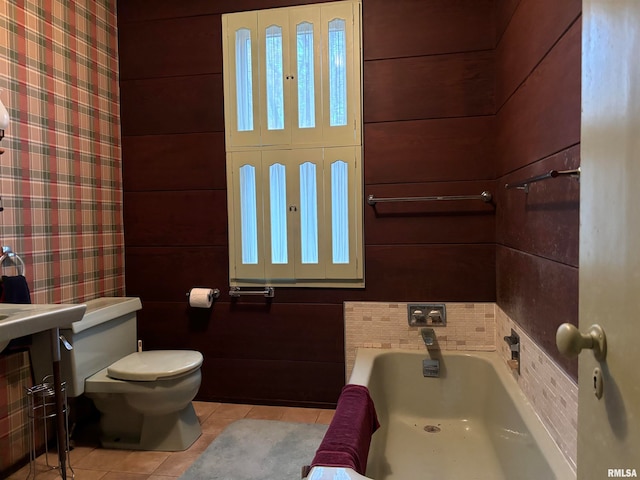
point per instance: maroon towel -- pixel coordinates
(346, 443)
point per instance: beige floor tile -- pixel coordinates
(45, 473)
(176, 464)
(102, 459)
(78, 453)
(234, 411)
(141, 462)
(214, 425)
(91, 463)
(265, 412)
(325, 416)
(125, 476)
(122, 461)
(42, 473)
(47, 459)
(302, 415)
(204, 409)
(82, 474)
(201, 444)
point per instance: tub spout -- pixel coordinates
(428, 336)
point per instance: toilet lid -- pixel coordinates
(154, 365)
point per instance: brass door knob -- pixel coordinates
(571, 342)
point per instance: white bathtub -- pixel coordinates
(471, 423)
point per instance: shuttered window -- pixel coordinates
(293, 137)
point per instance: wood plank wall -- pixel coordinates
(432, 81)
(537, 130)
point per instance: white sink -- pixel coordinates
(18, 320)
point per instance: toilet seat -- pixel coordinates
(153, 365)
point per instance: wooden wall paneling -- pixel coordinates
(166, 274)
(138, 11)
(193, 161)
(175, 325)
(463, 221)
(534, 28)
(191, 104)
(131, 11)
(309, 384)
(282, 331)
(446, 273)
(446, 149)
(292, 332)
(539, 294)
(408, 28)
(290, 350)
(427, 227)
(545, 221)
(504, 10)
(543, 116)
(406, 272)
(255, 353)
(429, 87)
(172, 47)
(175, 218)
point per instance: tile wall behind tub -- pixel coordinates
(474, 326)
(553, 394)
(470, 326)
(61, 172)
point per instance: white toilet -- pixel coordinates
(144, 397)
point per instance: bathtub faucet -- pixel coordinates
(430, 366)
(428, 336)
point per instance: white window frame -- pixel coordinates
(291, 146)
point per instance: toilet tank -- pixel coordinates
(106, 333)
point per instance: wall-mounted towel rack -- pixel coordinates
(268, 292)
(524, 184)
(15, 260)
(484, 196)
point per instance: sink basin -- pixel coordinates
(17, 320)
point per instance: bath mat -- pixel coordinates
(258, 450)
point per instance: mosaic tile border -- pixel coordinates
(553, 394)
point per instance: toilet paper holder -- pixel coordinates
(215, 293)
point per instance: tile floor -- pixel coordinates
(94, 463)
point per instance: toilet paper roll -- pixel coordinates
(201, 297)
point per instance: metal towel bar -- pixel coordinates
(484, 196)
(8, 254)
(268, 292)
(524, 184)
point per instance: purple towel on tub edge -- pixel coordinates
(346, 443)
